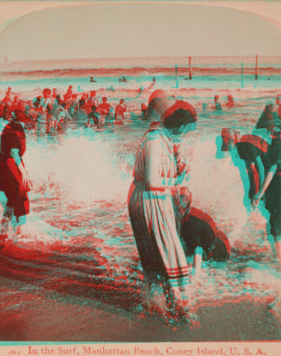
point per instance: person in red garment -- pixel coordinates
(103, 109)
(14, 181)
(119, 111)
(230, 102)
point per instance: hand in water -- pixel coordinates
(256, 199)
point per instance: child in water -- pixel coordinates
(199, 234)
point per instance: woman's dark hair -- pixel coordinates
(269, 118)
(181, 113)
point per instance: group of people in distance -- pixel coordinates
(46, 112)
(217, 106)
(51, 110)
(167, 228)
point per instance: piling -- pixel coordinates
(189, 67)
(256, 71)
(242, 76)
(176, 76)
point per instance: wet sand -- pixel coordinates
(30, 314)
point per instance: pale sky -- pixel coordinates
(71, 30)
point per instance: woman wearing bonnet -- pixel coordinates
(151, 199)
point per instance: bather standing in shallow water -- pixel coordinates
(14, 180)
(151, 206)
(271, 186)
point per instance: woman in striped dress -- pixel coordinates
(151, 205)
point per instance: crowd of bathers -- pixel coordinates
(167, 228)
(51, 110)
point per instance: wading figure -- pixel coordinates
(120, 110)
(199, 234)
(252, 149)
(151, 204)
(14, 177)
(43, 109)
(217, 105)
(271, 186)
(103, 109)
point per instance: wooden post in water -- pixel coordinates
(256, 72)
(189, 66)
(176, 76)
(242, 77)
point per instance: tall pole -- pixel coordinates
(256, 72)
(176, 76)
(189, 62)
(242, 77)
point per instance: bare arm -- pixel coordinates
(24, 178)
(197, 260)
(265, 184)
(260, 168)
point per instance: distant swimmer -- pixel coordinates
(143, 111)
(217, 105)
(16, 104)
(43, 109)
(104, 107)
(278, 103)
(92, 80)
(120, 109)
(92, 100)
(230, 102)
(68, 94)
(54, 95)
(122, 80)
(93, 118)
(8, 97)
(205, 109)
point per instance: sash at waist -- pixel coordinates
(141, 185)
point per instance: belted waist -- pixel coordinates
(141, 184)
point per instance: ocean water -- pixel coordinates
(78, 238)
